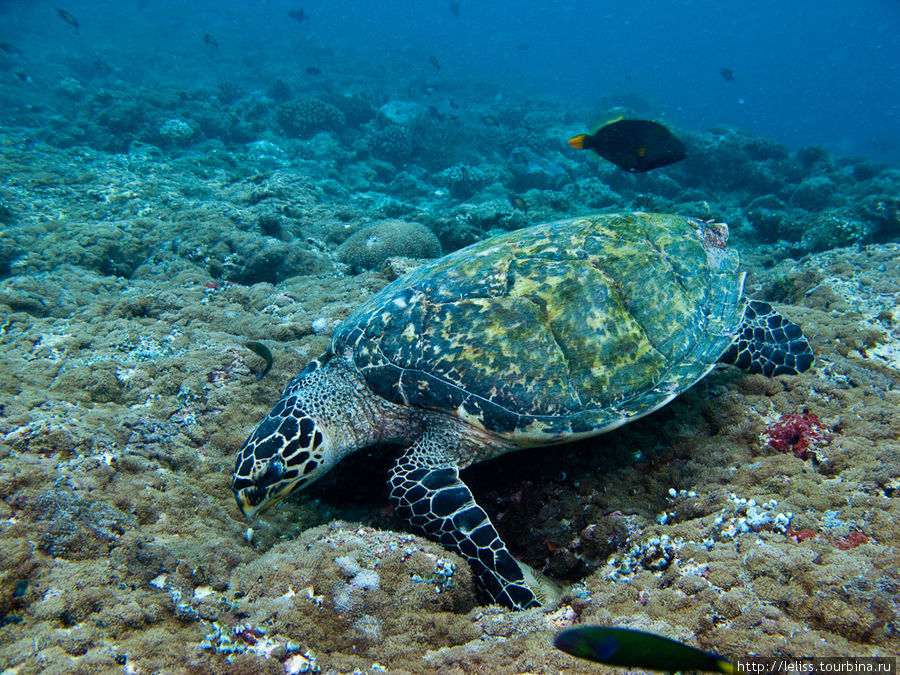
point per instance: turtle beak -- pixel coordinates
(253, 500)
(245, 505)
(256, 492)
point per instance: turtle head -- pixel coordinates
(291, 447)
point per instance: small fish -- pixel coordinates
(210, 40)
(637, 649)
(489, 119)
(298, 15)
(312, 70)
(434, 62)
(68, 18)
(102, 66)
(261, 350)
(10, 48)
(517, 202)
(523, 46)
(727, 73)
(23, 76)
(454, 104)
(454, 8)
(633, 145)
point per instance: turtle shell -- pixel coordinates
(557, 330)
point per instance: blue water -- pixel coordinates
(806, 72)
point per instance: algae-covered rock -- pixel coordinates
(73, 527)
(345, 587)
(18, 564)
(814, 194)
(884, 211)
(112, 247)
(832, 229)
(272, 262)
(373, 245)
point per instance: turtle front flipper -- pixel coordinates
(429, 494)
(768, 343)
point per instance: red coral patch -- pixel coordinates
(852, 540)
(802, 534)
(797, 433)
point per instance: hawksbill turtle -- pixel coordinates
(533, 338)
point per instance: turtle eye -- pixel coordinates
(272, 474)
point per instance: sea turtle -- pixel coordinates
(536, 337)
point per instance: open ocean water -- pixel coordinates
(194, 196)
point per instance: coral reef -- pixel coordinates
(176, 132)
(393, 143)
(306, 116)
(463, 180)
(402, 113)
(151, 229)
(229, 91)
(533, 171)
(355, 109)
(371, 246)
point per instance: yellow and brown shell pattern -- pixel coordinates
(557, 330)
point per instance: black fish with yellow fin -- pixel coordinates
(633, 145)
(68, 18)
(631, 648)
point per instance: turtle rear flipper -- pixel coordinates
(768, 343)
(427, 492)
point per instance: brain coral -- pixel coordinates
(393, 143)
(372, 245)
(306, 116)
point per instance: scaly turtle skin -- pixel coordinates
(536, 337)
